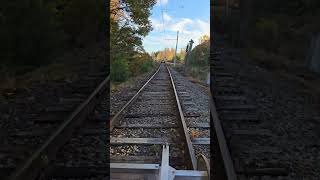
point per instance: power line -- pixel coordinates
(162, 17)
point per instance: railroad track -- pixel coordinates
(38, 152)
(250, 144)
(151, 122)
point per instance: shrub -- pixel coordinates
(267, 33)
(119, 70)
(146, 66)
(28, 32)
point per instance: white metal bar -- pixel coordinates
(134, 166)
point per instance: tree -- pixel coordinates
(32, 32)
(200, 54)
(203, 39)
(129, 23)
(29, 32)
(82, 20)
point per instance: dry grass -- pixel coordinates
(195, 133)
(289, 69)
(52, 72)
(116, 86)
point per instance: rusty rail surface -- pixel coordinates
(187, 139)
(228, 171)
(41, 158)
(113, 120)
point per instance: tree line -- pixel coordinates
(283, 27)
(168, 54)
(129, 24)
(32, 32)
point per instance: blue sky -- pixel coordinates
(190, 17)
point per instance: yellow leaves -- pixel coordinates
(194, 133)
(115, 11)
(167, 54)
(203, 39)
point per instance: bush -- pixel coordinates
(146, 66)
(119, 70)
(267, 33)
(83, 20)
(28, 32)
(200, 55)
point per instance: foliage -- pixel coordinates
(146, 65)
(198, 65)
(81, 20)
(166, 54)
(141, 63)
(120, 70)
(200, 54)
(27, 32)
(267, 32)
(32, 32)
(181, 55)
(284, 27)
(203, 39)
(129, 23)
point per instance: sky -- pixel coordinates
(190, 17)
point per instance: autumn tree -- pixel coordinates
(203, 39)
(166, 54)
(200, 54)
(129, 23)
(181, 55)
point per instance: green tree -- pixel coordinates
(82, 20)
(133, 24)
(200, 54)
(129, 23)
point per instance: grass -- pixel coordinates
(285, 67)
(115, 86)
(130, 82)
(198, 73)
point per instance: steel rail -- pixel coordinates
(115, 117)
(41, 158)
(187, 139)
(223, 147)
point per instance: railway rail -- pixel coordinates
(149, 137)
(52, 132)
(250, 145)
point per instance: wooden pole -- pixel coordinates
(175, 56)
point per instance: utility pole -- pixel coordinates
(175, 56)
(165, 54)
(188, 50)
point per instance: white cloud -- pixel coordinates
(180, 25)
(162, 2)
(157, 25)
(188, 29)
(166, 17)
(204, 26)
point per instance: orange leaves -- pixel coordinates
(194, 133)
